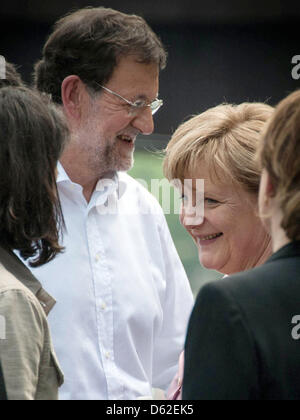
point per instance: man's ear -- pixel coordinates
(71, 91)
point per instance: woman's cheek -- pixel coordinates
(181, 215)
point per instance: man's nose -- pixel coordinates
(144, 121)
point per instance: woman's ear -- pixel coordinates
(266, 193)
(270, 190)
(71, 96)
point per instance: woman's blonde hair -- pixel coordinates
(225, 138)
(279, 154)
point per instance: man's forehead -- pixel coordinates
(134, 75)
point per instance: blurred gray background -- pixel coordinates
(228, 50)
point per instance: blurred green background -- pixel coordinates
(148, 166)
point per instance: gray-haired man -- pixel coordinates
(123, 299)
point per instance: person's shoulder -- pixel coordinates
(244, 279)
(240, 286)
(274, 273)
(13, 290)
(252, 290)
(9, 282)
(234, 286)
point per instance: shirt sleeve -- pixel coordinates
(220, 357)
(21, 345)
(177, 306)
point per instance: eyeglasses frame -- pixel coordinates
(136, 107)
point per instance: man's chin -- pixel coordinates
(125, 166)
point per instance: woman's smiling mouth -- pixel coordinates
(208, 239)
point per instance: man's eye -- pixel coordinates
(139, 103)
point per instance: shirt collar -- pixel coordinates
(62, 174)
(13, 264)
(112, 182)
(104, 187)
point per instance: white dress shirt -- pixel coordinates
(123, 298)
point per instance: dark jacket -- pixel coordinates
(243, 336)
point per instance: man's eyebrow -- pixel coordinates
(145, 98)
(141, 96)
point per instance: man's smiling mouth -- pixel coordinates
(125, 138)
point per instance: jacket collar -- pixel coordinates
(288, 251)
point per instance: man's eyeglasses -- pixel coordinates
(137, 106)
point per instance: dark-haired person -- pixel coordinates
(32, 139)
(241, 342)
(123, 293)
(12, 77)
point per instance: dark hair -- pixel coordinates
(89, 43)
(279, 154)
(12, 77)
(33, 134)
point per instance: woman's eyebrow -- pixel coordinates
(212, 193)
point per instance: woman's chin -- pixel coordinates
(207, 263)
(210, 262)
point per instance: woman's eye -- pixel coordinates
(211, 201)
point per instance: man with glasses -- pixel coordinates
(123, 299)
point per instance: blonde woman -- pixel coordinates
(219, 146)
(242, 338)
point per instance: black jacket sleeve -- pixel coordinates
(220, 355)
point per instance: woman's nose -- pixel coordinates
(191, 217)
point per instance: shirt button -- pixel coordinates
(97, 257)
(107, 355)
(103, 306)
